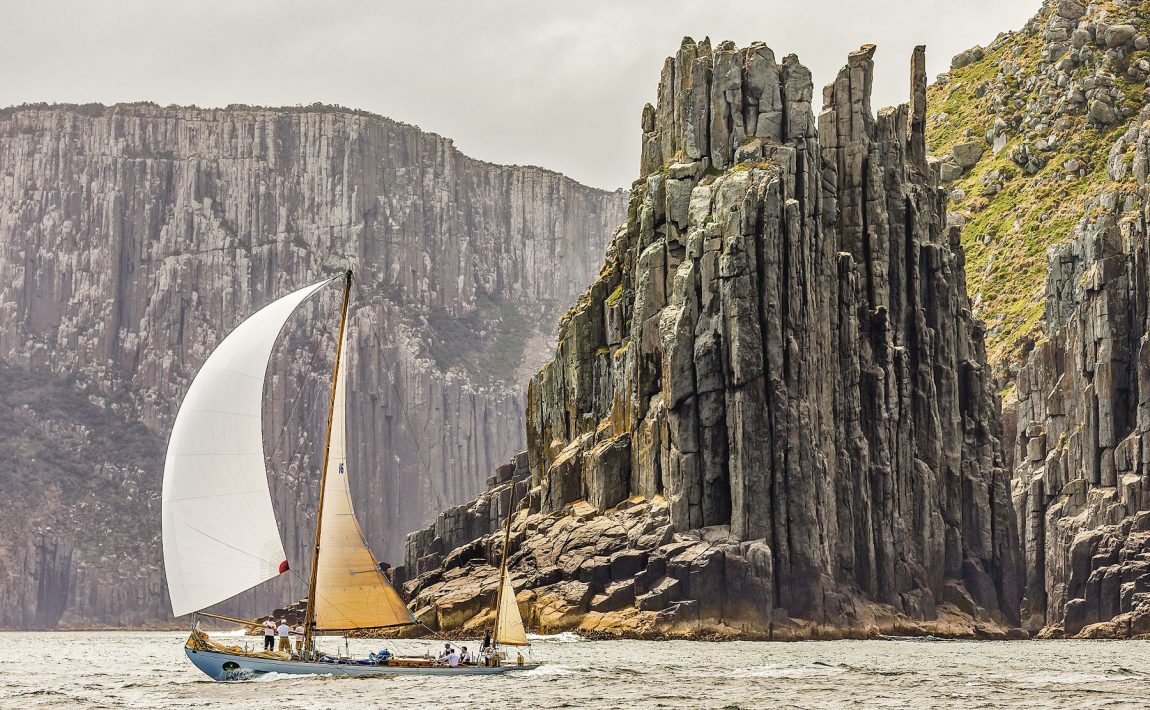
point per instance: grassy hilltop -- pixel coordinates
(1041, 113)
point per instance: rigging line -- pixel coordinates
(299, 577)
(232, 547)
(325, 330)
(294, 448)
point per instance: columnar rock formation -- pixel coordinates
(773, 400)
(132, 238)
(1082, 450)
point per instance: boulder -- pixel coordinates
(615, 596)
(967, 57)
(949, 172)
(967, 155)
(1103, 112)
(609, 465)
(664, 591)
(1071, 9)
(1119, 35)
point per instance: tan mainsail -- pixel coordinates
(351, 592)
(509, 629)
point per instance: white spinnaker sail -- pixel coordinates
(220, 533)
(351, 592)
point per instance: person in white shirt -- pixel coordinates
(284, 632)
(453, 658)
(269, 635)
(297, 637)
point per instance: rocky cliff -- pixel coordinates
(133, 237)
(1045, 157)
(1025, 128)
(1082, 484)
(771, 412)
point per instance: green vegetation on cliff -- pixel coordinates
(1045, 106)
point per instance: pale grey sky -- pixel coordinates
(557, 84)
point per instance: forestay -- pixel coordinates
(351, 592)
(219, 529)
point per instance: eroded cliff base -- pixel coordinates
(624, 573)
(771, 405)
(1109, 575)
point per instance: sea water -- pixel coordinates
(149, 670)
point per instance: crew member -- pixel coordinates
(269, 635)
(284, 632)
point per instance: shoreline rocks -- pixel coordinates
(771, 410)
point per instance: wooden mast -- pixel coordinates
(503, 563)
(309, 623)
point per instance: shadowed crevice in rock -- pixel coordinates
(781, 343)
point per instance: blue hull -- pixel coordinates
(229, 666)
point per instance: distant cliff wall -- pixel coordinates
(772, 406)
(133, 238)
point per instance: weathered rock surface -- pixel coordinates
(624, 571)
(770, 414)
(456, 528)
(133, 237)
(1082, 446)
(1044, 105)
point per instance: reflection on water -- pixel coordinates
(148, 670)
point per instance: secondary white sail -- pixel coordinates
(219, 529)
(351, 592)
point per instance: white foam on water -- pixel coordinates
(273, 676)
(776, 671)
(1071, 678)
(563, 637)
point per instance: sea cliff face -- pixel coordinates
(1082, 487)
(1045, 145)
(133, 238)
(770, 414)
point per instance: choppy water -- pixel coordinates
(148, 670)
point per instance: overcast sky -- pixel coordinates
(512, 81)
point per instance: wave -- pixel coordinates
(919, 639)
(563, 637)
(770, 670)
(544, 671)
(39, 692)
(273, 677)
(1078, 678)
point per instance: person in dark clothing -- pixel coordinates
(269, 635)
(486, 642)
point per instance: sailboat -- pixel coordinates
(219, 528)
